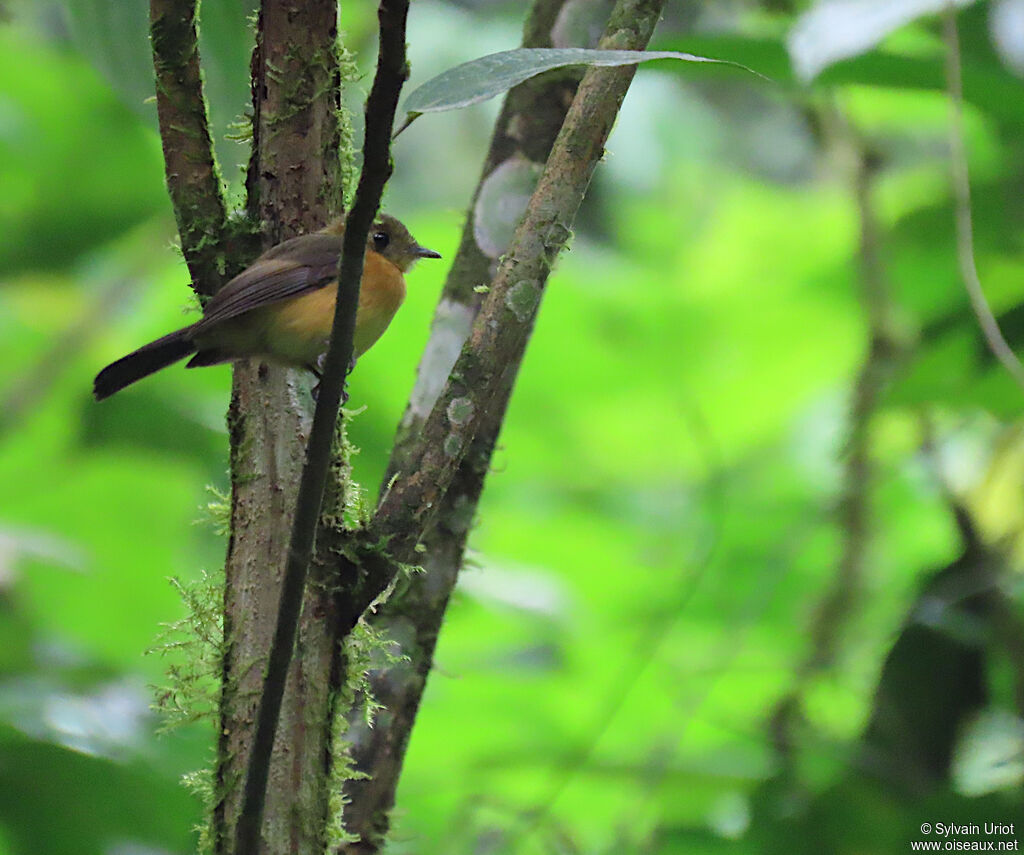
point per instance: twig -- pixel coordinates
(500, 333)
(962, 192)
(380, 112)
(192, 176)
(450, 447)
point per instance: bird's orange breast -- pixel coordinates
(298, 329)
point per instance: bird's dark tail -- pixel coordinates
(143, 362)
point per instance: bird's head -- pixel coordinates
(388, 237)
(392, 240)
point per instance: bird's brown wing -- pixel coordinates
(294, 267)
(318, 245)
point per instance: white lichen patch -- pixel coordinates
(452, 324)
(460, 411)
(522, 299)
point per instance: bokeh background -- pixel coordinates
(673, 633)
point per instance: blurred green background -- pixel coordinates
(662, 555)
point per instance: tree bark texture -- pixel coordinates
(500, 332)
(530, 119)
(192, 177)
(294, 186)
(444, 448)
(392, 72)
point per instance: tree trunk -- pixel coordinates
(294, 186)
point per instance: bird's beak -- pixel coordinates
(423, 252)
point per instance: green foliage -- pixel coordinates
(659, 527)
(58, 165)
(114, 37)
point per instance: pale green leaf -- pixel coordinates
(483, 78)
(839, 29)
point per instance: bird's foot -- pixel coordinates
(316, 369)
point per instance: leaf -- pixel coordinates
(987, 83)
(838, 29)
(101, 803)
(57, 199)
(990, 754)
(483, 78)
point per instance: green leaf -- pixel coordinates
(102, 805)
(57, 199)
(483, 78)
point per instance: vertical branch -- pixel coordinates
(392, 72)
(527, 125)
(853, 510)
(193, 177)
(293, 178)
(472, 402)
(294, 185)
(193, 180)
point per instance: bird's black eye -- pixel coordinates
(380, 241)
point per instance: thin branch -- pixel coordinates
(463, 424)
(502, 329)
(381, 105)
(498, 339)
(962, 191)
(854, 510)
(853, 513)
(529, 121)
(192, 176)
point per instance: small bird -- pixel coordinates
(281, 307)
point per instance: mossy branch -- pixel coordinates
(441, 459)
(193, 179)
(494, 348)
(294, 185)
